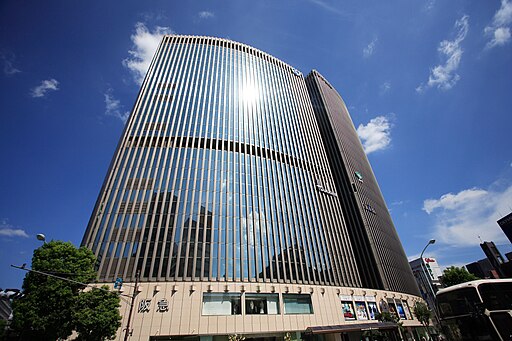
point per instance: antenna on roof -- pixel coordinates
(481, 242)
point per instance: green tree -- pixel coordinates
(422, 313)
(48, 310)
(96, 315)
(454, 275)
(3, 326)
(386, 316)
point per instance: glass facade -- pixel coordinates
(221, 175)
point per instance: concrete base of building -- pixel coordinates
(191, 311)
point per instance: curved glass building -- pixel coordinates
(226, 198)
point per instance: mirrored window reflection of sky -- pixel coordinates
(427, 84)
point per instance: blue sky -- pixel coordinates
(428, 84)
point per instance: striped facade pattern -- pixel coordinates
(376, 243)
(221, 175)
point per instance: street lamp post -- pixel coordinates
(427, 279)
(431, 241)
(41, 237)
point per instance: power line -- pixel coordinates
(65, 279)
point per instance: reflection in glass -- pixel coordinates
(262, 304)
(221, 304)
(297, 304)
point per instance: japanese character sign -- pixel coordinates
(162, 305)
(144, 306)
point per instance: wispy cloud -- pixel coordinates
(384, 87)
(499, 29)
(7, 230)
(114, 108)
(368, 50)
(376, 135)
(328, 7)
(45, 86)
(152, 16)
(444, 76)
(399, 203)
(429, 5)
(461, 217)
(206, 14)
(8, 59)
(145, 43)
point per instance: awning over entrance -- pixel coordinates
(352, 327)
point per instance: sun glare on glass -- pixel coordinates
(249, 94)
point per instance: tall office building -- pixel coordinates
(221, 195)
(506, 225)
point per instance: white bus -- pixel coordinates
(477, 310)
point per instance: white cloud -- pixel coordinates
(7, 230)
(45, 86)
(444, 76)
(8, 61)
(368, 50)
(499, 29)
(206, 14)
(504, 15)
(376, 135)
(385, 87)
(113, 107)
(145, 44)
(501, 37)
(452, 201)
(461, 217)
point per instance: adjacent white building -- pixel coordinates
(428, 276)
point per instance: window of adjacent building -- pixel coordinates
(348, 310)
(297, 304)
(221, 304)
(262, 304)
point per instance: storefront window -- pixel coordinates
(262, 304)
(297, 304)
(348, 310)
(361, 312)
(372, 308)
(221, 304)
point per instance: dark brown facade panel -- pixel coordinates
(362, 200)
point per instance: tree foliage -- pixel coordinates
(96, 314)
(454, 275)
(48, 310)
(386, 316)
(422, 313)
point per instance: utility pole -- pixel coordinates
(132, 303)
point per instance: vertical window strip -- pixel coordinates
(161, 185)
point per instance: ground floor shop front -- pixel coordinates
(213, 311)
